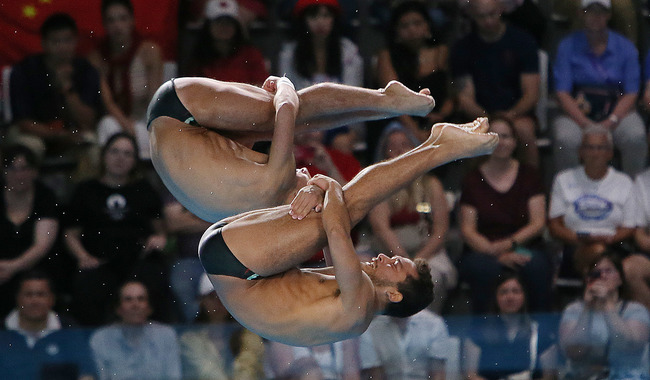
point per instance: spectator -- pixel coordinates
(417, 57)
(135, 347)
(131, 67)
(637, 266)
(597, 79)
(187, 229)
(55, 95)
(593, 206)
(645, 101)
(420, 354)
(502, 217)
(220, 348)
(38, 343)
(527, 16)
(414, 221)
(507, 344)
(29, 221)
(624, 18)
(320, 53)
(223, 51)
(311, 154)
(113, 222)
(496, 70)
(604, 335)
(339, 360)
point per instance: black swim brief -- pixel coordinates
(165, 102)
(218, 259)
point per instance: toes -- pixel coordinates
(425, 91)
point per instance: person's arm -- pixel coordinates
(45, 232)
(85, 260)
(158, 239)
(570, 107)
(536, 220)
(473, 238)
(467, 97)
(153, 63)
(347, 267)
(642, 238)
(437, 369)
(472, 354)
(350, 351)
(379, 218)
(529, 96)
(440, 214)
(574, 334)
(625, 334)
(286, 104)
(560, 231)
(624, 106)
(82, 114)
(179, 220)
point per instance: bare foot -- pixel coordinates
(271, 84)
(464, 140)
(405, 101)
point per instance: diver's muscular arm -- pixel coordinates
(347, 268)
(286, 104)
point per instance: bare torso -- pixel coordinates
(299, 307)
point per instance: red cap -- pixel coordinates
(302, 4)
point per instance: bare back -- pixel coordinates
(299, 307)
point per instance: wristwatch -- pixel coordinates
(613, 118)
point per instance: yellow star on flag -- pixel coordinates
(29, 11)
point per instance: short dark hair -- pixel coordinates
(111, 140)
(417, 293)
(56, 22)
(125, 3)
(12, 152)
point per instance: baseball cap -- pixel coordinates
(605, 3)
(205, 286)
(220, 8)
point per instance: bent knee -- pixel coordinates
(636, 267)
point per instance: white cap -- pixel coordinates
(605, 3)
(205, 286)
(220, 8)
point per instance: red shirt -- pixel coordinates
(246, 66)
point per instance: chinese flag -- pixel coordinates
(20, 21)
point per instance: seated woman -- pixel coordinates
(418, 58)
(29, 221)
(509, 343)
(414, 221)
(502, 217)
(113, 223)
(604, 335)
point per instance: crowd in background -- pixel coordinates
(540, 254)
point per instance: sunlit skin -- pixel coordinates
(134, 308)
(510, 297)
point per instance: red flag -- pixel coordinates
(20, 21)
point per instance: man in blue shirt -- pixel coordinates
(597, 79)
(496, 70)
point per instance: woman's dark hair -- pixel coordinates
(12, 152)
(505, 276)
(615, 258)
(108, 3)
(305, 59)
(403, 58)
(57, 22)
(121, 135)
(204, 50)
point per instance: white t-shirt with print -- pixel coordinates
(595, 207)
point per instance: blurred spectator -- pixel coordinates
(597, 79)
(55, 95)
(527, 16)
(220, 348)
(645, 101)
(311, 154)
(132, 70)
(496, 70)
(186, 230)
(113, 223)
(29, 220)
(593, 206)
(502, 217)
(604, 335)
(38, 344)
(637, 266)
(417, 57)
(405, 348)
(414, 221)
(508, 343)
(223, 51)
(135, 347)
(624, 16)
(320, 53)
